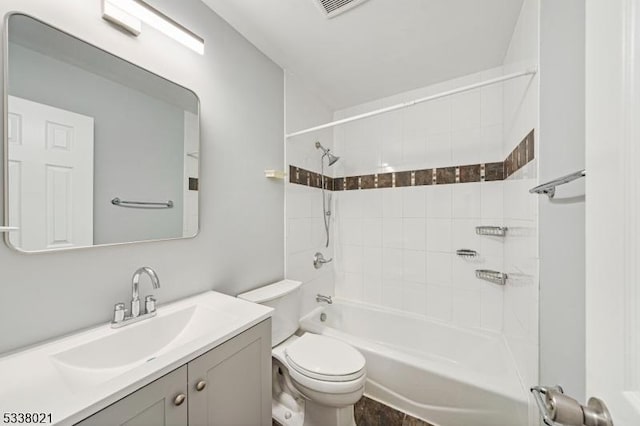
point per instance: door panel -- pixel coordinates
(50, 154)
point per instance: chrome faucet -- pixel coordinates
(323, 298)
(135, 300)
(120, 317)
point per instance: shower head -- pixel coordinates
(332, 158)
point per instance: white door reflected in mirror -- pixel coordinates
(50, 169)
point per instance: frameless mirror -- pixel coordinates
(97, 150)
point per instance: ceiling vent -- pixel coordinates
(333, 8)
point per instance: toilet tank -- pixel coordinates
(284, 298)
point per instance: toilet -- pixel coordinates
(316, 379)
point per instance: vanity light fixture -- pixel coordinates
(130, 14)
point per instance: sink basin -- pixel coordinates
(121, 350)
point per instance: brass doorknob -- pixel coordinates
(179, 399)
(201, 385)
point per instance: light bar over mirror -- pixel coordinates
(129, 14)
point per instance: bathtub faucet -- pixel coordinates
(322, 298)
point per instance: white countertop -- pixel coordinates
(33, 381)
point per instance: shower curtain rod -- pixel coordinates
(496, 80)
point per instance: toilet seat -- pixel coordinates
(323, 358)
(329, 384)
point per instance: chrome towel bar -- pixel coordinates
(549, 188)
(142, 204)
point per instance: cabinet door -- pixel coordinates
(154, 404)
(237, 379)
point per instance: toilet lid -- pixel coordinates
(324, 358)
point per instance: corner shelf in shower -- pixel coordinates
(275, 174)
(493, 231)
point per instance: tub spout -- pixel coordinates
(322, 298)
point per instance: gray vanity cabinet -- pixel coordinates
(161, 402)
(228, 386)
(231, 385)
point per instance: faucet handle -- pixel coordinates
(149, 304)
(119, 313)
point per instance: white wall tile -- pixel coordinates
(491, 106)
(392, 294)
(439, 150)
(439, 268)
(352, 256)
(414, 234)
(466, 146)
(438, 119)
(413, 201)
(463, 273)
(414, 298)
(467, 200)
(414, 266)
(492, 200)
(371, 203)
(350, 231)
(391, 202)
(372, 260)
(439, 235)
(491, 297)
(466, 309)
(298, 235)
(466, 111)
(392, 232)
(391, 265)
(440, 302)
(440, 201)
(372, 288)
(372, 232)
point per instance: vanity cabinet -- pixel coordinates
(158, 403)
(228, 386)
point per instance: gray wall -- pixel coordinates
(562, 220)
(138, 145)
(240, 245)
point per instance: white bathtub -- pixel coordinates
(442, 374)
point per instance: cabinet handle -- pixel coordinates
(201, 385)
(179, 399)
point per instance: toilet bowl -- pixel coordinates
(316, 379)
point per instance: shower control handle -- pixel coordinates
(319, 260)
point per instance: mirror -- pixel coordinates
(97, 150)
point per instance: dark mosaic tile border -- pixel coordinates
(485, 172)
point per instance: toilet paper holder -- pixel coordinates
(558, 409)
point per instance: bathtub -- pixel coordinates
(445, 375)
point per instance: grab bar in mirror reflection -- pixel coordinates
(142, 204)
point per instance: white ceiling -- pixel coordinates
(379, 48)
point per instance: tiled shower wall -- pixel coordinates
(395, 247)
(304, 227)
